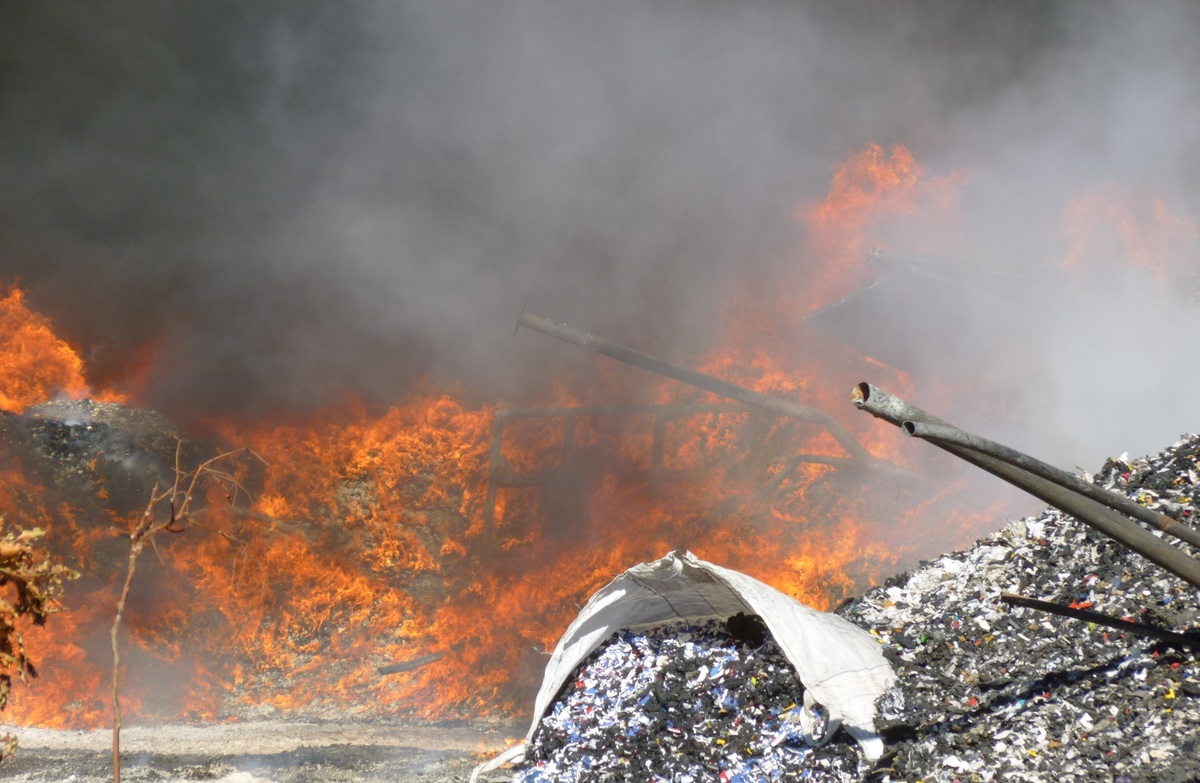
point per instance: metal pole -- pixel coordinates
(1108, 621)
(896, 411)
(698, 379)
(943, 433)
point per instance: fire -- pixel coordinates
(37, 365)
(465, 537)
(875, 196)
(1122, 228)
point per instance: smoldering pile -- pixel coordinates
(96, 450)
(991, 691)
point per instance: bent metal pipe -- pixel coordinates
(913, 420)
(942, 433)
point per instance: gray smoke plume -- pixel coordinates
(298, 200)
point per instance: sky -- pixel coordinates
(285, 203)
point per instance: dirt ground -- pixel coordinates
(260, 752)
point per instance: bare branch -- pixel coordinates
(177, 518)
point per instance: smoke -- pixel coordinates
(284, 202)
(1105, 114)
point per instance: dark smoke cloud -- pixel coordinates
(298, 200)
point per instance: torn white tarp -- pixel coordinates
(840, 665)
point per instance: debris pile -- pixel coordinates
(96, 450)
(683, 702)
(988, 691)
(707, 674)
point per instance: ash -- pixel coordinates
(992, 692)
(683, 702)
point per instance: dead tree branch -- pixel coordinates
(176, 517)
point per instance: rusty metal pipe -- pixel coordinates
(708, 383)
(896, 411)
(942, 433)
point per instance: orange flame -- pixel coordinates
(1115, 227)
(37, 365)
(874, 196)
(467, 537)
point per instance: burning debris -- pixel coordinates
(390, 543)
(95, 449)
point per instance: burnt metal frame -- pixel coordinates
(501, 474)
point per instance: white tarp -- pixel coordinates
(840, 665)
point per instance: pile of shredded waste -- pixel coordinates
(986, 690)
(682, 702)
(991, 691)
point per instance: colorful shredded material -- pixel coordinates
(682, 703)
(985, 691)
(992, 692)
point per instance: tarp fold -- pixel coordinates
(840, 665)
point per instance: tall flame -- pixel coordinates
(465, 537)
(37, 365)
(874, 195)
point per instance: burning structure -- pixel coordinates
(304, 232)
